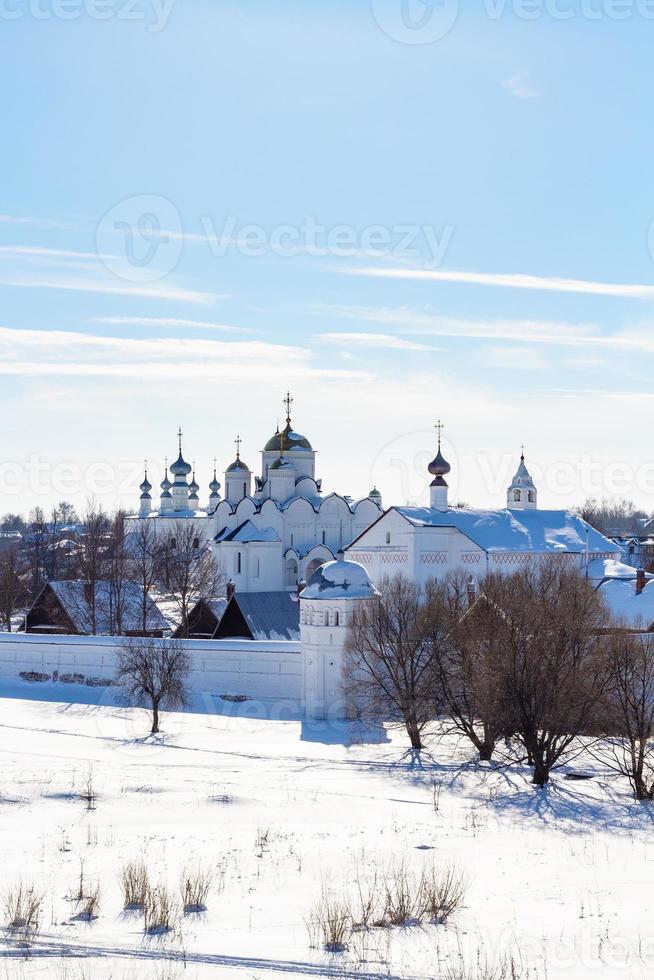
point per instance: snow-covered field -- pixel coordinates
(562, 880)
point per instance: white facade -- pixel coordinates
(427, 543)
(272, 531)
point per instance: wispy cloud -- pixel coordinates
(381, 340)
(59, 352)
(110, 287)
(552, 333)
(519, 86)
(511, 280)
(171, 322)
(35, 222)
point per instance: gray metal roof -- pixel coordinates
(270, 615)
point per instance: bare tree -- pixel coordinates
(13, 589)
(189, 568)
(628, 747)
(93, 561)
(144, 564)
(388, 658)
(466, 663)
(117, 573)
(154, 673)
(551, 625)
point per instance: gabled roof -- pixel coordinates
(512, 530)
(247, 533)
(110, 603)
(637, 611)
(264, 616)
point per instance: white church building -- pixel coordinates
(269, 531)
(427, 542)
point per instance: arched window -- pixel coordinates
(516, 496)
(530, 496)
(173, 544)
(324, 536)
(337, 619)
(388, 537)
(196, 543)
(245, 489)
(255, 568)
(238, 562)
(291, 572)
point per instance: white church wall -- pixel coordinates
(270, 670)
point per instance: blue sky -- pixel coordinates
(483, 203)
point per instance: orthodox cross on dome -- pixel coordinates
(522, 452)
(288, 401)
(179, 437)
(439, 428)
(214, 466)
(237, 443)
(145, 467)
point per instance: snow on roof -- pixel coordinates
(339, 580)
(246, 533)
(111, 603)
(516, 530)
(624, 603)
(608, 568)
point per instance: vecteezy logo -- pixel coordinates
(415, 21)
(140, 239)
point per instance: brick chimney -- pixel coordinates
(640, 580)
(231, 589)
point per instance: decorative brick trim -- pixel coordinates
(394, 557)
(433, 558)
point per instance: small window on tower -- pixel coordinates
(530, 496)
(196, 543)
(173, 544)
(516, 496)
(238, 562)
(388, 537)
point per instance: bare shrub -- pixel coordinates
(90, 905)
(135, 884)
(159, 910)
(23, 906)
(402, 896)
(442, 893)
(366, 904)
(483, 968)
(330, 924)
(195, 885)
(88, 794)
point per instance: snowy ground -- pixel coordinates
(562, 879)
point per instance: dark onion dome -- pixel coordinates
(238, 464)
(439, 466)
(180, 467)
(214, 486)
(280, 464)
(193, 486)
(375, 494)
(146, 486)
(166, 495)
(288, 440)
(165, 484)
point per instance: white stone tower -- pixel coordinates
(325, 608)
(522, 494)
(238, 478)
